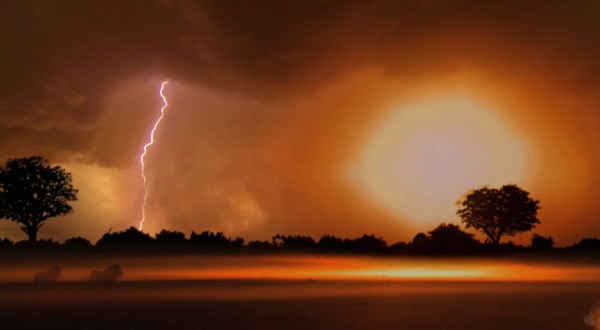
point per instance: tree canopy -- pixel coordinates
(32, 191)
(499, 212)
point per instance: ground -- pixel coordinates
(299, 303)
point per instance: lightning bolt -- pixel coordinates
(145, 150)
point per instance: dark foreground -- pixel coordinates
(299, 304)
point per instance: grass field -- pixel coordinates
(265, 302)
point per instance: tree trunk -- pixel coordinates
(493, 240)
(31, 233)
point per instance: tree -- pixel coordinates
(329, 242)
(449, 238)
(78, 244)
(369, 243)
(294, 242)
(32, 191)
(499, 212)
(130, 239)
(168, 236)
(421, 243)
(542, 243)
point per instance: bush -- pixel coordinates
(130, 239)
(540, 243)
(77, 243)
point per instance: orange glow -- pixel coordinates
(425, 155)
(315, 268)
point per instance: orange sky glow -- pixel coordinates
(284, 120)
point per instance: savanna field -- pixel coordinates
(308, 164)
(303, 292)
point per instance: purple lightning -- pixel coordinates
(145, 152)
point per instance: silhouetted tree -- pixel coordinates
(399, 248)
(130, 239)
(171, 240)
(421, 243)
(78, 244)
(499, 212)
(329, 242)
(541, 243)
(586, 244)
(215, 241)
(39, 246)
(449, 238)
(369, 243)
(167, 235)
(260, 246)
(32, 191)
(294, 242)
(365, 244)
(6, 243)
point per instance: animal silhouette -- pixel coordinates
(49, 276)
(109, 275)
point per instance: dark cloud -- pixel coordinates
(274, 48)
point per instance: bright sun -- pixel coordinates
(424, 156)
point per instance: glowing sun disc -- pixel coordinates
(424, 156)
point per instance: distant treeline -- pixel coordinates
(446, 239)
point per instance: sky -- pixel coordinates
(305, 117)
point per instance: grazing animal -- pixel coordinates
(109, 275)
(49, 276)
